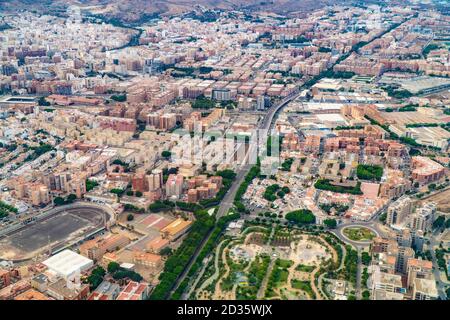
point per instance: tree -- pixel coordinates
(58, 201)
(119, 98)
(90, 184)
(165, 251)
(369, 172)
(96, 277)
(366, 258)
(113, 267)
(330, 223)
(439, 222)
(130, 217)
(366, 295)
(43, 102)
(302, 216)
(138, 194)
(71, 198)
(166, 154)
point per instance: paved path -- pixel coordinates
(358, 275)
(216, 269)
(262, 289)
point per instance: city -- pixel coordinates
(225, 153)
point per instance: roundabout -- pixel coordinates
(359, 234)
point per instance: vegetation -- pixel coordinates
(301, 217)
(256, 273)
(369, 172)
(6, 209)
(59, 201)
(119, 98)
(429, 48)
(366, 258)
(330, 223)
(304, 286)
(179, 260)
(398, 93)
(269, 193)
(418, 125)
(409, 107)
(286, 165)
(207, 249)
(324, 184)
(359, 233)
(350, 264)
(278, 277)
(253, 173)
(166, 154)
(130, 207)
(90, 184)
(304, 268)
(119, 192)
(338, 207)
(439, 222)
(159, 206)
(203, 103)
(43, 102)
(38, 151)
(96, 277)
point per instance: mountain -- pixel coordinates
(133, 10)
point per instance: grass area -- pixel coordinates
(304, 286)
(325, 184)
(339, 208)
(359, 233)
(278, 277)
(304, 268)
(256, 273)
(369, 172)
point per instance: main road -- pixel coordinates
(227, 201)
(264, 124)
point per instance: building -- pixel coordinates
(423, 218)
(399, 211)
(174, 185)
(418, 269)
(176, 229)
(68, 264)
(95, 249)
(424, 289)
(156, 245)
(383, 283)
(426, 170)
(5, 278)
(145, 259)
(134, 291)
(66, 290)
(105, 291)
(31, 294)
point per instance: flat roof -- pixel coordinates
(68, 262)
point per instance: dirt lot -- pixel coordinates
(442, 199)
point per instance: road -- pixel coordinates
(358, 275)
(436, 271)
(227, 202)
